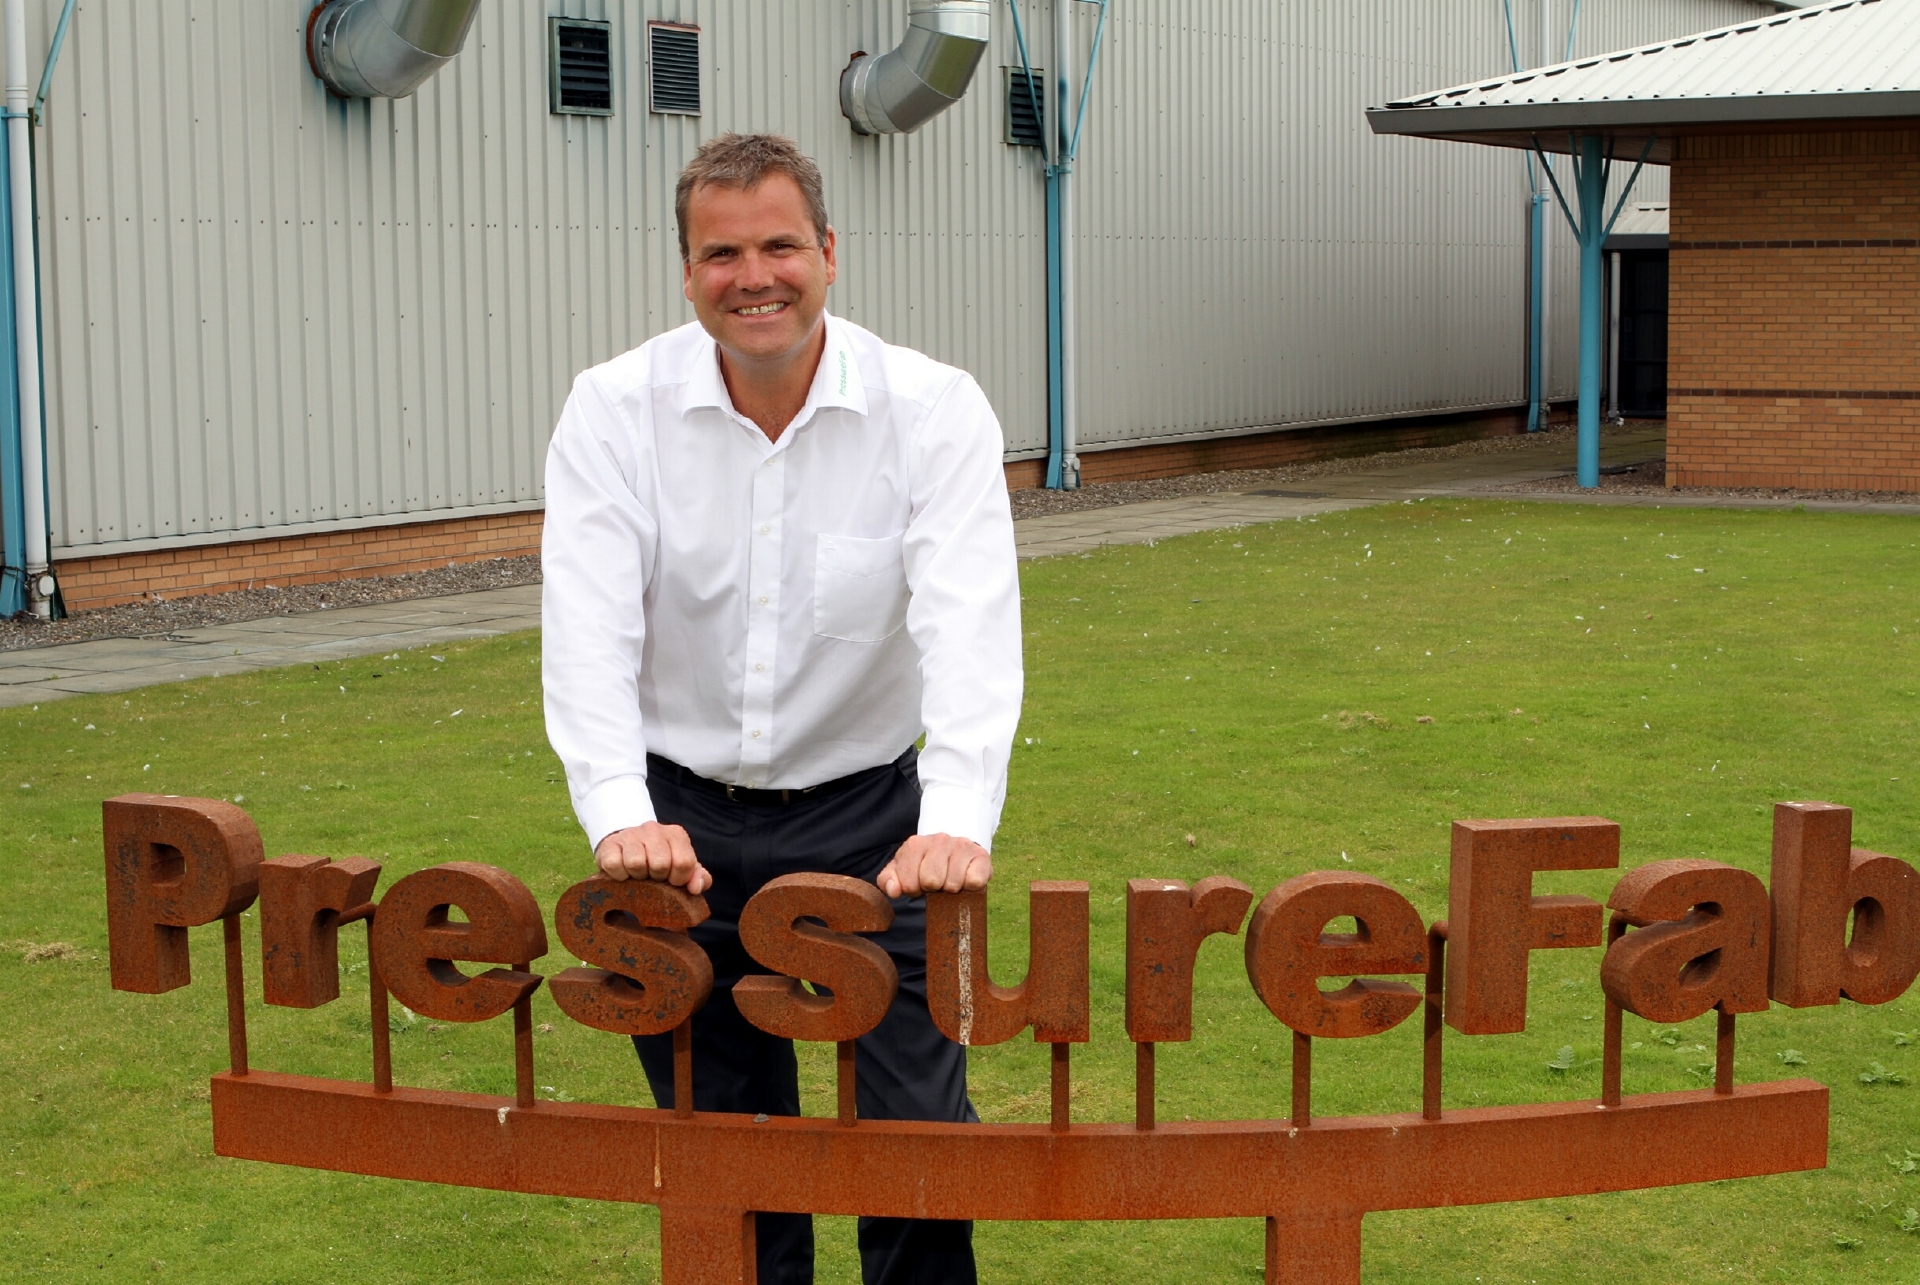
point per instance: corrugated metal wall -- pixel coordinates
(270, 311)
(1251, 255)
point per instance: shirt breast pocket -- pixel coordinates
(859, 587)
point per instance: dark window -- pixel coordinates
(673, 61)
(580, 72)
(1643, 333)
(1026, 107)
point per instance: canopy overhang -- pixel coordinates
(1847, 65)
(1843, 65)
(1626, 127)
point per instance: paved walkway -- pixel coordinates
(121, 664)
(1392, 479)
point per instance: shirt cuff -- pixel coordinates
(614, 804)
(955, 810)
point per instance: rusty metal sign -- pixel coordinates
(1684, 937)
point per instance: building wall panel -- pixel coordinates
(1285, 265)
(273, 312)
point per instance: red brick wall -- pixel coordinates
(303, 559)
(1794, 311)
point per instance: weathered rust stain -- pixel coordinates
(645, 976)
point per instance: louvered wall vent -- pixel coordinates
(580, 72)
(673, 63)
(1026, 107)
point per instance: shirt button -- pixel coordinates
(759, 669)
(763, 599)
(766, 529)
(756, 733)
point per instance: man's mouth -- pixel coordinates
(761, 309)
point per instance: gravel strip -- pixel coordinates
(1038, 501)
(158, 619)
(1651, 479)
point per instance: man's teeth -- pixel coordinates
(761, 310)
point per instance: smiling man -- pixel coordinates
(778, 553)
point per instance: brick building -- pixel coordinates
(1794, 310)
(1793, 145)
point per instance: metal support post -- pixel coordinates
(1613, 341)
(1590, 180)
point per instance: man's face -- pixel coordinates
(756, 273)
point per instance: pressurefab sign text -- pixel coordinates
(1683, 937)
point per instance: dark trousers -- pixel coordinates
(905, 1069)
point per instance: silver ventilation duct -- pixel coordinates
(384, 48)
(898, 92)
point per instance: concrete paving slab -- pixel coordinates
(85, 663)
(117, 680)
(318, 630)
(1154, 520)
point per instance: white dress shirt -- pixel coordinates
(779, 614)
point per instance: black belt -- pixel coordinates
(668, 770)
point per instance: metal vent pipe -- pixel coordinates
(898, 92)
(384, 48)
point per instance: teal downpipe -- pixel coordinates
(1590, 179)
(1056, 342)
(13, 495)
(1536, 306)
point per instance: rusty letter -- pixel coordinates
(415, 943)
(860, 974)
(301, 901)
(1819, 880)
(1166, 922)
(649, 976)
(1494, 919)
(969, 1009)
(1288, 954)
(1701, 941)
(172, 864)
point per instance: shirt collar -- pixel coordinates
(836, 382)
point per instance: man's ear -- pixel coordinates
(686, 277)
(827, 252)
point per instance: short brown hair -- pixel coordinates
(744, 161)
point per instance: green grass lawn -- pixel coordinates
(1248, 703)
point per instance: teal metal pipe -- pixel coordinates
(1536, 264)
(1590, 181)
(53, 57)
(1054, 149)
(1056, 340)
(1536, 309)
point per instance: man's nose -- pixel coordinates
(756, 272)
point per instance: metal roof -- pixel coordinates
(1642, 226)
(1854, 60)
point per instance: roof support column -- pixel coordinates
(1590, 182)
